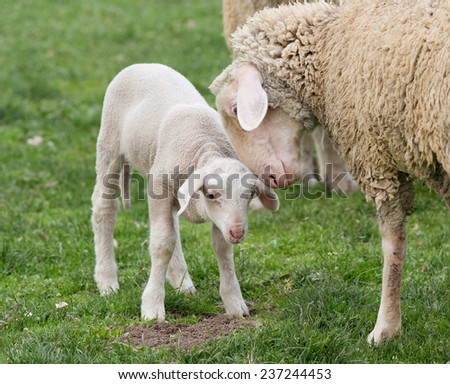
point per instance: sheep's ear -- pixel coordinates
(188, 190)
(268, 197)
(252, 101)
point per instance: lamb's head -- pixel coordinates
(264, 135)
(223, 191)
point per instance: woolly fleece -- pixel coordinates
(376, 75)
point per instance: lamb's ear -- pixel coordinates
(268, 197)
(252, 101)
(218, 83)
(188, 189)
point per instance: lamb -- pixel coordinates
(330, 164)
(377, 77)
(154, 120)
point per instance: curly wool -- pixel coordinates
(236, 12)
(376, 75)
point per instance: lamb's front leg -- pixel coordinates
(392, 223)
(163, 238)
(230, 291)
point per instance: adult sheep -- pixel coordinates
(377, 77)
(235, 13)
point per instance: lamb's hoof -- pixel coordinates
(108, 288)
(106, 279)
(183, 284)
(154, 313)
(237, 310)
(187, 290)
(381, 334)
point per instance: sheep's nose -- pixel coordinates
(280, 176)
(273, 181)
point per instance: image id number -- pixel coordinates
(289, 374)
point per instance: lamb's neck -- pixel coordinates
(212, 152)
(196, 212)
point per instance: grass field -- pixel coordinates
(313, 269)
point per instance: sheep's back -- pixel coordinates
(386, 88)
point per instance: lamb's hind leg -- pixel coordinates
(177, 272)
(392, 223)
(104, 210)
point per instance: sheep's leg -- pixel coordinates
(440, 183)
(332, 167)
(177, 272)
(163, 238)
(307, 168)
(230, 290)
(392, 223)
(104, 210)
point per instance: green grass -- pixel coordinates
(313, 269)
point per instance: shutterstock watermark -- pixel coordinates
(162, 185)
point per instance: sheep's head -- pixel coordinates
(224, 193)
(265, 138)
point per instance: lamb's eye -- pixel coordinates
(253, 193)
(234, 110)
(212, 195)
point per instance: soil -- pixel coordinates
(184, 336)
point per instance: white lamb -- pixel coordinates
(155, 121)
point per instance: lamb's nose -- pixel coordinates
(237, 233)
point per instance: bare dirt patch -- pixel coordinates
(184, 336)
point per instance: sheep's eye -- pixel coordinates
(234, 110)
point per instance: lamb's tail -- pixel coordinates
(121, 167)
(125, 171)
